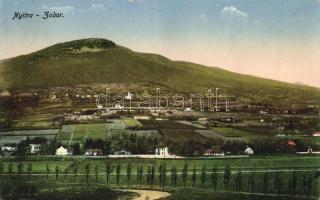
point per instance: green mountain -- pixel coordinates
(95, 60)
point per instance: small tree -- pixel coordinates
(87, 169)
(57, 172)
(29, 170)
(194, 177)
(1, 167)
(96, 172)
(214, 178)
(118, 170)
(184, 174)
(203, 175)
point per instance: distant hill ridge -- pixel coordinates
(96, 60)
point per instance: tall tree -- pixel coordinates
(75, 171)
(118, 170)
(194, 177)
(265, 182)
(304, 183)
(238, 181)
(173, 176)
(309, 184)
(87, 169)
(96, 172)
(226, 177)
(10, 167)
(214, 178)
(20, 168)
(153, 170)
(251, 181)
(294, 183)
(108, 171)
(164, 175)
(149, 175)
(48, 171)
(57, 172)
(203, 176)
(184, 174)
(277, 183)
(129, 169)
(29, 170)
(1, 167)
(160, 175)
(140, 175)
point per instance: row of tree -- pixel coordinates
(164, 177)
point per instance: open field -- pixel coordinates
(17, 136)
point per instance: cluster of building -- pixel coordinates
(160, 152)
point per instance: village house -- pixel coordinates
(213, 152)
(118, 106)
(316, 134)
(93, 152)
(129, 96)
(122, 152)
(34, 148)
(9, 148)
(249, 151)
(163, 151)
(61, 151)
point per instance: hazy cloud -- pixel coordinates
(59, 8)
(98, 6)
(204, 17)
(232, 11)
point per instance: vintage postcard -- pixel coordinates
(159, 99)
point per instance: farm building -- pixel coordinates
(34, 148)
(316, 134)
(213, 152)
(122, 152)
(93, 152)
(249, 151)
(163, 151)
(61, 151)
(9, 148)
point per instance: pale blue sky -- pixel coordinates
(276, 39)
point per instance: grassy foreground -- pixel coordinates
(261, 177)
